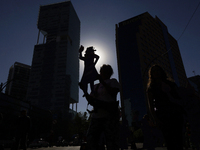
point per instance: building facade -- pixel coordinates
(142, 41)
(11, 107)
(53, 83)
(195, 82)
(17, 82)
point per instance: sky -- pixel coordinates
(18, 30)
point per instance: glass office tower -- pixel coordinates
(53, 83)
(142, 41)
(17, 82)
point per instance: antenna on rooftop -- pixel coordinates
(194, 73)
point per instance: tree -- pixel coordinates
(79, 124)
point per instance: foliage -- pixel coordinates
(79, 124)
(138, 134)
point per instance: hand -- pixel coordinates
(81, 49)
(81, 85)
(90, 99)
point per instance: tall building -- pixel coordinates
(17, 82)
(53, 83)
(142, 41)
(196, 80)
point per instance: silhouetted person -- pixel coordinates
(105, 117)
(1, 129)
(167, 114)
(22, 128)
(147, 126)
(191, 103)
(124, 134)
(90, 73)
(157, 133)
(51, 138)
(1, 118)
(135, 126)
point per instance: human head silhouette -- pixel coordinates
(157, 72)
(106, 71)
(90, 50)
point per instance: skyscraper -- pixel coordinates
(17, 82)
(142, 41)
(196, 80)
(53, 83)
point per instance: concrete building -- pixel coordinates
(10, 107)
(53, 83)
(195, 82)
(142, 41)
(17, 82)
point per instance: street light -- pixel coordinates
(3, 85)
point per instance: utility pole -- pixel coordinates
(3, 85)
(194, 73)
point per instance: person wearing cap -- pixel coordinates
(90, 73)
(23, 125)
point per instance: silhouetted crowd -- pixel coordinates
(172, 119)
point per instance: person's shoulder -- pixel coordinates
(113, 80)
(114, 83)
(28, 119)
(96, 85)
(171, 83)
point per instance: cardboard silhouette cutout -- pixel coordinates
(90, 73)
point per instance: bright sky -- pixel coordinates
(18, 29)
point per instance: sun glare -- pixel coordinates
(101, 51)
(103, 57)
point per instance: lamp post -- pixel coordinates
(3, 85)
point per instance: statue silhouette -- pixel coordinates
(90, 73)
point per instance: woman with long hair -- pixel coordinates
(166, 112)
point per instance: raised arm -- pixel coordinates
(80, 52)
(96, 58)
